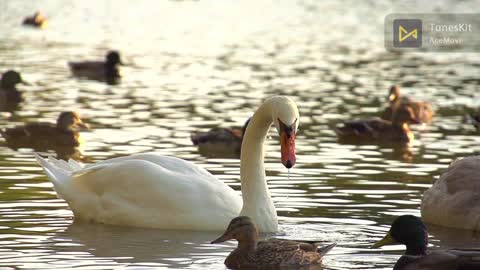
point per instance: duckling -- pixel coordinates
(107, 71)
(37, 20)
(46, 135)
(410, 231)
(269, 253)
(422, 110)
(10, 97)
(220, 142)
(379, 130)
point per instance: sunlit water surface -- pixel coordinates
(193, 65)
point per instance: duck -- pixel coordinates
(40, 135)
(410, 231)
(10, 97)
(37, 20)
(378, 130)
(268, 253)
(220, 142)
(422, 110)
(155, 191)
(452, 200)
(104, 71)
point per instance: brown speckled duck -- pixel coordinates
(107, 71)
(422, 110)
(37, 20)
(46, 135)
(220, 142)
(269, 253)
(410, 231)
(379, 130)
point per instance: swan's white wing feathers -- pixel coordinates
(166, 162)
(74, 165)
(89, 169)
(148, 190)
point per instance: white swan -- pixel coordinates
(453, 200)
(149, 190)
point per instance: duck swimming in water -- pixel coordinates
(269, 253)
(377, 130)
(422, 110)
(105, 71)
(37, 20)
(410, 231)
(10, 97)
(220, 142)
(41, 135)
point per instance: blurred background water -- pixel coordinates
(193, 65)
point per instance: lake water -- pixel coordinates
(193, 65)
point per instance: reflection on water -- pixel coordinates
(191, 67)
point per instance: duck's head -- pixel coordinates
(285, 118)
(405, 115)
(241, 229)
(70, 121)
(408, 230)
(393, 93)
(39, 18)
(10, 79)
(113, 58)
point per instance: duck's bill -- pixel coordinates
(287, 144)
(221, 239)
(25, 82)
(387, 240)
(83, 125)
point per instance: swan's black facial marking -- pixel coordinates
(287, 143)
(289, 130)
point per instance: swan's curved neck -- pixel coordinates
(257, 203)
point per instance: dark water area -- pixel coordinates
(194, 65)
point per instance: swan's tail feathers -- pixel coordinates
(74, 165)
(89, 169)
(57, 171)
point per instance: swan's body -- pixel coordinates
(453, 200)
(149, 190)
(165, 194)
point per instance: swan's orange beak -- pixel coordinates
(287, 145)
